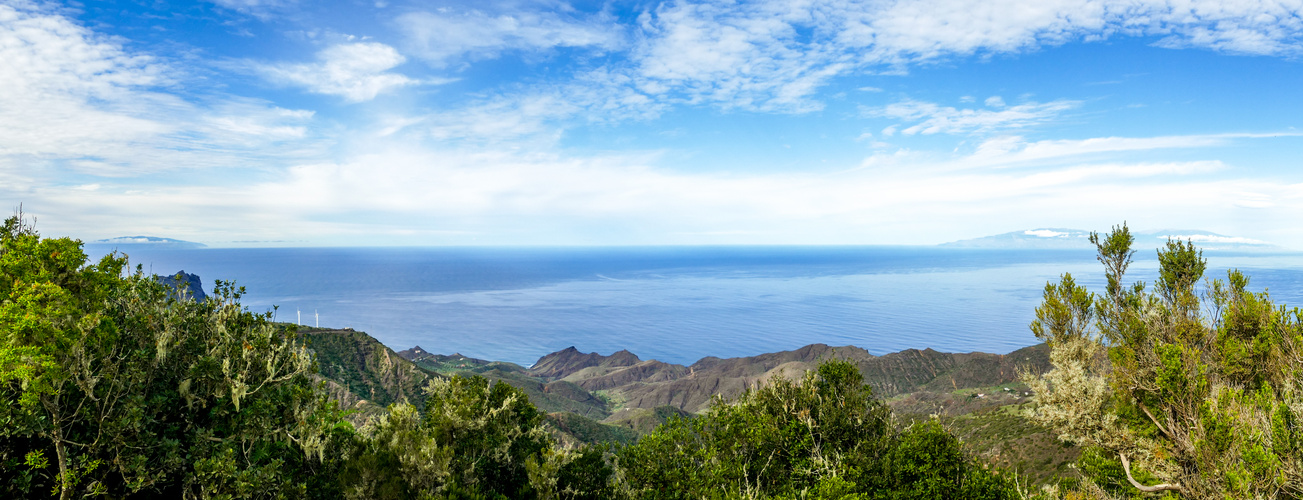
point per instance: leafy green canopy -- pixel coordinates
(1177, 389)
(824, 436)
(109, 386)
(474, 440)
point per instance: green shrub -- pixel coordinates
(824, 436)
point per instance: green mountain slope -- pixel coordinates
(360, 370)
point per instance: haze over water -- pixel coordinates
(675, 304)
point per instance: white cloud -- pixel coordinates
(546, 199)
(930, 118)
(85, 109)
(78, 102)
(445, 36)
(542, 112)
(69, 91)
(399, 192)
(775, 55)
(1013, 150)
(355, 71)
(735, 55)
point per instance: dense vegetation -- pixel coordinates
(113, 385)
(822, 437)
(1175, 389)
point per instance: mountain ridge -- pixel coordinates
(591, 398)
(635, 384)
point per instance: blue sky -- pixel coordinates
(295, 122)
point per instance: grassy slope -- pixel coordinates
(573, 429)
(992, 423)
(1005, 437)
(368, 371)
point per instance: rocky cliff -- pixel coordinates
(188, 284)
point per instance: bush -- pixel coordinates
(1175, 389)
(822, 437)
(110, 385)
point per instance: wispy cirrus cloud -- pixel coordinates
(776, 55)
(930, 118)
(448, 36)
(356, 71)
(543, 113)
(70, 90)
(78, 102)
(749, 55)
(1015, 150)
(262, 9)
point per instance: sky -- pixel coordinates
(824, 122)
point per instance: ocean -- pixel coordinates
(674, 304)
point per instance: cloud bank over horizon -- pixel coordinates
(677, 122)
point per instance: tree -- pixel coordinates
(824, 436)
(1183, 389)
(109, 385)
(474, 440)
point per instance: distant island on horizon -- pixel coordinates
(154, 241)
(1045, 238)
(1064, 238)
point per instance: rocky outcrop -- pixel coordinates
(184, 284)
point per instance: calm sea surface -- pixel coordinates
(675, 304)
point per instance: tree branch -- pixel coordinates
(1154, 420)
(1126, 466)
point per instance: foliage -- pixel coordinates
(109, 386)
(474, 440)
(365, 367)
(824, 436)
(1176, 388)
(577, 428)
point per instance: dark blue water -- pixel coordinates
(676, 304)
